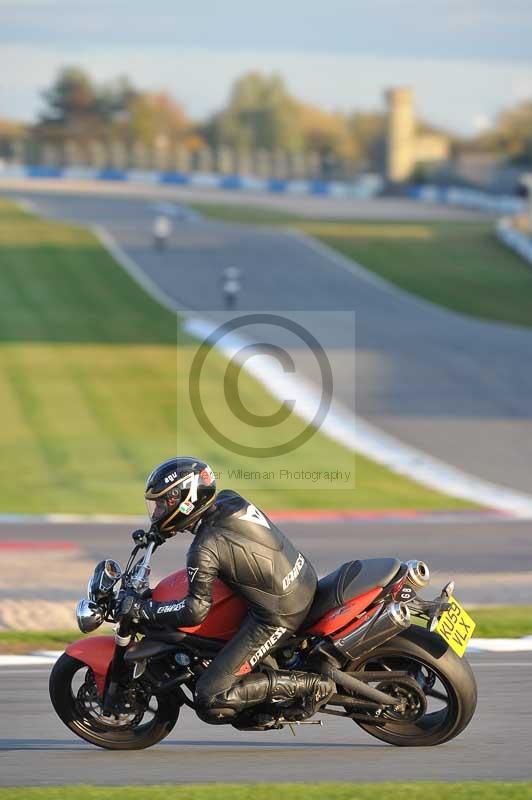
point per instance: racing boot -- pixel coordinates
(270, 686)
(286, 686)
(277, 686)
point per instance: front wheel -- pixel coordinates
(439, 694)
(140, 722)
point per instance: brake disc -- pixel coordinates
(412, 703)
(89, 704)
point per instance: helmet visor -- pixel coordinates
(155, 509)
(160, 508)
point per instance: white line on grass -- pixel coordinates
(26, 661)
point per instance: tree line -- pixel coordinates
(260, 114)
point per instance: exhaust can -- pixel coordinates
(377, 630)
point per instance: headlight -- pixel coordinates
(89, 616)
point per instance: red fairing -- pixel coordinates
(227, 610)
(338, 618)
(97, 653)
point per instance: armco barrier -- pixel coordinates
(467, 198)
(471, 198)
(511, 237)
(363, 187)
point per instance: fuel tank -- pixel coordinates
(227, 610)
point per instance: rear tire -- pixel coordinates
(68, 708)
(429, 651)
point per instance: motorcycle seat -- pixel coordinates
(350, 580)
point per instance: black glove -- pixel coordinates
(134, 608)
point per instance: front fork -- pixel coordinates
(139, 581)
(116, 668)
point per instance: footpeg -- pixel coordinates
(302, 722)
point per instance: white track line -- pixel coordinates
(523, 645)
(505, 664)
(476, 646)
(26, 661)
(433, 518)
(73, 519)
(18, 672)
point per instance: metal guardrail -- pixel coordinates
(511, 237)
(468, 198)
(506, 232)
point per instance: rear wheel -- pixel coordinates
(439, 694)
(140, 722)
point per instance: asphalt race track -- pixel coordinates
(455, 387)
(490, 560)
(486, 558)
(36, 749)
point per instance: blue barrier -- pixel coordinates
(277, 185)
(44, 172)
(319, 187)
(415, 192)
(110, 174)
(231, 182)
(174, 177)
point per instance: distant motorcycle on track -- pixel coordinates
(403, 683)
(162, 228)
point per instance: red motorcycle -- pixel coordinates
(403, 683)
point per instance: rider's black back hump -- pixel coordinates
(256, 559)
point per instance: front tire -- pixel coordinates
(430, 660)
(110, 733)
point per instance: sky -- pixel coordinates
(465, 59)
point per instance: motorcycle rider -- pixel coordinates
(162, 228)
(230, 286)
(236, 542)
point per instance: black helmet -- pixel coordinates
(177, 493)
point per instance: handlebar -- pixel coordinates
(144, 538)
(135, 578)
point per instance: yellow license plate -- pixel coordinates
(456, 627)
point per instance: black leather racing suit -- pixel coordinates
(237, 543)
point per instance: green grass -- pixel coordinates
(502, 621)
(253, 215)
(19, 642)
(497, 622)
(94, 393)
(492, 623)
(459, 265)
(280, 791)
